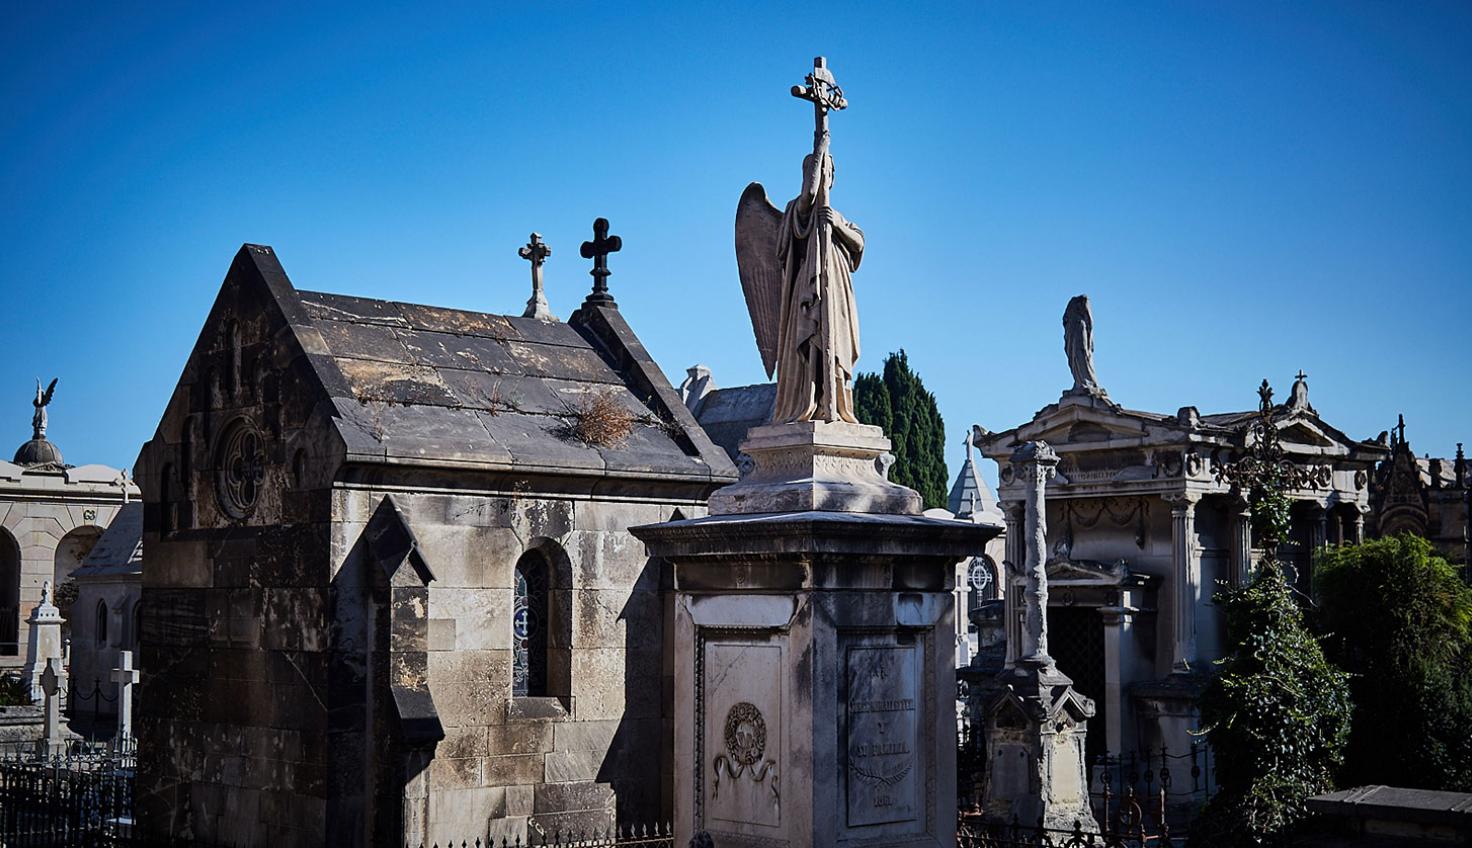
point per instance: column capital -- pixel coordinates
(1181, 501)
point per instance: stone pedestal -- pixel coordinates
(1036, 768)
(815, 699)
(815, 465)
(815, 695)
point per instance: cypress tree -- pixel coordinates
(899, 403)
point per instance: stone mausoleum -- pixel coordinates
(389, 591)
(1140, 532)
(51, 514)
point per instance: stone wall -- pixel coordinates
(233, 707)
(597, 748)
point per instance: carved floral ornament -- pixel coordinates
(240, 466)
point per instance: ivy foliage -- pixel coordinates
(1400, 618)
(899, 403)
(1277, 717)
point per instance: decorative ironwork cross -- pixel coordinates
(598, 250)
(1264, 467)
(823, 92)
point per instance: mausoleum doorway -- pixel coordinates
(1076, 641)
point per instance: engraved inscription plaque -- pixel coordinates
(883, 735)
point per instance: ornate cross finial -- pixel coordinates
(825, 95)
(536, 252)
(598, 250)
(1301, 376)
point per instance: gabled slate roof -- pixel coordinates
(422, 385)
(727, 414)
(120, 549)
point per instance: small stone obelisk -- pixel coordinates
(1036, 726)
(44, 642)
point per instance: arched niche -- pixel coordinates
(9, 595)
(72, 549)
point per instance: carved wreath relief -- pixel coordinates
(240, 466)
(746, 747)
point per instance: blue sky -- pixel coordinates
(1243, 190)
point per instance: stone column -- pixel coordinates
(1318, 529)
(1359, 525)
(1014, 515)
(1241, 516)
(815, 693)
(1117, 622)
(1034, 464)
(1036, 726)
(1186, 577)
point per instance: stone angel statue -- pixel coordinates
(38, 418)
(796, 270)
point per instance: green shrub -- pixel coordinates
(1277, 717)
(1400, 619)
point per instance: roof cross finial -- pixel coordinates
(598, 250)
(536, 252)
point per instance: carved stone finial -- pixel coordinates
(536, 252)
(598, 250)
(1298, 397)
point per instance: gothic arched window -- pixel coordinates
(102, 622)
(529, 626)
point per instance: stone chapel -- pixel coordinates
(390, 593)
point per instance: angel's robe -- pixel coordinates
(819, 331)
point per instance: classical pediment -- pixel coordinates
(1306, 433)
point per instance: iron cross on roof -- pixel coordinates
(598, 250)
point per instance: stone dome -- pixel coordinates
(37, 452)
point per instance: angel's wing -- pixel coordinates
(758, 229)
(50, 390)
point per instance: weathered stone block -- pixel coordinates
(512, 770)
(520, 738)
(568, 766)
(454, 772)
(584, 735)
(442, 634)
(564, 797)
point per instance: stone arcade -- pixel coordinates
(390, 595)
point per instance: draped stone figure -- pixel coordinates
(797, 272)
(1078, 344)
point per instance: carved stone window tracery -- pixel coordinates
(240, 467)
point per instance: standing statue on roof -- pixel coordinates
(38, 418)
(796, 270)
(1078, 344)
